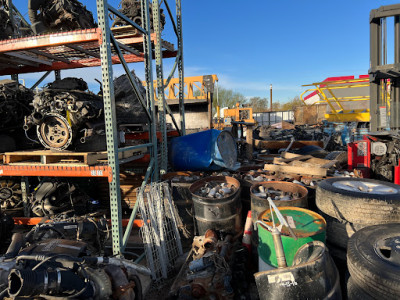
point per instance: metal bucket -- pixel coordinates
(208, 150)
(221, 214)
(258, 204)
(306, 224)
(312, 276)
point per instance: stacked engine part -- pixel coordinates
(129, 110)
(10, 28)
(66, 115)
(52, 197)
(132, 9)
(59, 15)
(40, 266)
(215, 269)
(93, 231)
(7, 29)
(14, 105)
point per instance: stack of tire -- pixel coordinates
(373, 259)
(352, 207)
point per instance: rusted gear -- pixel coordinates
(54, 132)
(10, 195)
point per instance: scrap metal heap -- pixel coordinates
(128, 107)
(53, 196)
(215, 269)
(63, 259)
(14, 104)
(11, 28)
(66, 114)
(132, 9)
(59, 15)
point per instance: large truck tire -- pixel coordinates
(373, 259)
(354, 292)
(339, 232)
(359, 201)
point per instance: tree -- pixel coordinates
(276, 106)
(258, 104)
(227, 98)
(292, 104)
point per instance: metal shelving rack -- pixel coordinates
(104, 46)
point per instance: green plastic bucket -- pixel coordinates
(306, 224)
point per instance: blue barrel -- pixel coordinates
(208, 150)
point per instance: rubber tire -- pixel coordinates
(339, 255)
(373, 274)
(354, 292)
(358, 207)
(337, 232)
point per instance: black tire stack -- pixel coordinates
(373, 258)
(348, 212)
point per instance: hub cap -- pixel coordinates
(365, 187)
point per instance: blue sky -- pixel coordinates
(252, 44)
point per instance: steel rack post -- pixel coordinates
(148, 63)
(111, 126)
(153, 166)
(160, 87)
(180, 65)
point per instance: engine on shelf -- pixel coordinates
(11, 28)
(53, 196)
(132, 9)
(59, 15)
(66, 114)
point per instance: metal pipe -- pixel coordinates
(120, 150)
(40, 80)
(270, 96)
(130, 77)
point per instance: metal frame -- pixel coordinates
(153, 171)
(106, 39)
(326, 92)
(381, 73)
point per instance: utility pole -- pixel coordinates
(270, 96)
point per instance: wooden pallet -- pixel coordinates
(300, 164)
(51, 157)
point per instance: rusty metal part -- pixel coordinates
(207, 273)
(54, 132)
(210, 239)
(57, 15)
(65, 115)
(11, 196)
(14, 104)
(259, 204)
(132, 10)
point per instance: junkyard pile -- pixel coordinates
(294, 222)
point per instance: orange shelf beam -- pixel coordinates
(36, 220)
(56, 171)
